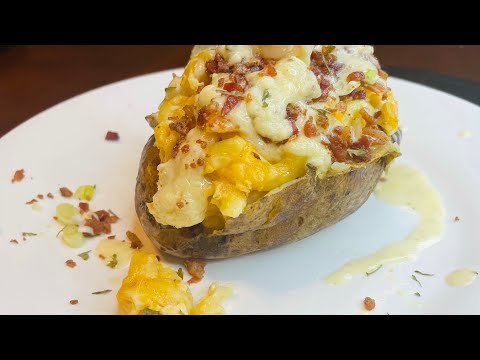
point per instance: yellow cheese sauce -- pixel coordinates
(107, 248)
(461, 277)
(405, 187)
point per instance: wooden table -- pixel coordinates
(33, 78)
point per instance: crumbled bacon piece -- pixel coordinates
(292, 114)
(70, 263)
(102, 215)
(245, 67)
(180, 204)
(40, 196)
(230, 86)
(176, 147)
(221, 81)
(377, 88)
(377, 114)
(203, 144)
(378, 136)
(50, 195)
(31, 202)
(310, 130)
(83, 206)
(18, 176)
(230, 104)
(341, 106)
(112, 136)
(101, 222)
(196, 269)
(193, 165)
(356, 76)
(322, 121)
(185, 148)
(74, 302)
(13, 241)
(200, 162)
(217, 65)
(369, 119)
(369, 303)
(135, 242)
(202, 116)
(101, 257)
(324, 84)
(111, 237)
(65, 192)
(355, 94)
(185, 123)
(269, 70)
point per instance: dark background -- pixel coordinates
(33, 78)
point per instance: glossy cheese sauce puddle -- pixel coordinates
(461, 277)
(405, 187)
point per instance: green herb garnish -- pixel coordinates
(101, 292)
(417, 294)
(180, 273)
(422, 273)
(84, 255)
(148, 311)
(374, 271)
(266, 95)
(415, 279)
(321, 111)
(112, 263)
(234, 93)
(29, 234)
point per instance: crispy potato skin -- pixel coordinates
(297, 211)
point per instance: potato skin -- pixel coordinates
(297, 211)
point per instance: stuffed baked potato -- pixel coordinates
(258, 146)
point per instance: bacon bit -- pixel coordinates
(87, 235)
(24, 238)
(18, 176)
(379, 137)
(31, 201)
(324, 83)
(112, 136)
(355, 94)
(338, 145)
(200, 162)
(377, 88)
(102, 215)
(217, 65)
(186, 122)
(310, 130)
(176, 147)
(377, 114)
(356, 76)
(203, 144)
(233, 87)
(369, 303)
(180, 204)
(269, 70)
(383, 74)
(185, 148)
(13, 241)
(50, 195)
(98, 227)
(230, 104)
(40, 196)
(322, 121)
(221, 81)
(456, 219)
(70, 263)
(65, 192)
(135, 242)
(83, 206)
(202, 117)
(101, 257)
(266, 140)
(196, 269)
(111, 237)
(292, 114)
(369, 119)
(74, 302)
(158, 258)
(193, 165)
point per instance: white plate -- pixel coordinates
(64, 146)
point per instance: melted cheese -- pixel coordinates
(178, 185)
(271, 95)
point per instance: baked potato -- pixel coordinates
(222, 178)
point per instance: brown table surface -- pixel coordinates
(33, 78)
